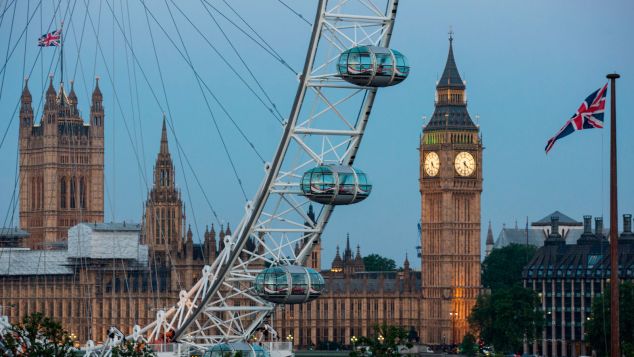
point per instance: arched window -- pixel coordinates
(41, 192)
(82, 192)
(162, 177)
(72, 192)
(62, 193)
(33, 196)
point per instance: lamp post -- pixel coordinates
(381, 339)
(289, 338)
(454, 316)
(353, 341)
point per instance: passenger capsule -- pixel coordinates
(289, 284)
(373, 66)
(335, 185)
(232, 349)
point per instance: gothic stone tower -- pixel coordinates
(164, 224)
(450, 186)
(61, 166)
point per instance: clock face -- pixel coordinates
(432, 164)
(465, 164)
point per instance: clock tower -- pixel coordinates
(450, 187)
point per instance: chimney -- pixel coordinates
(587, 224)
(627, 223)
(627, 236)
(598, 227)
(554, 237)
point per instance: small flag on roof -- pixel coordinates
(50, 39)
(588, 116)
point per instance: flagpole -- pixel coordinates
(614, 227)
(61, 39)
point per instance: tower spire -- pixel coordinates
(450, 77)
(164, 145)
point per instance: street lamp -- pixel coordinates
(381, 339)
(353, 340)
(289, 338)
(454, 317)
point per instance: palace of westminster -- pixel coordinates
(66, 262)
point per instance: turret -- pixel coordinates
(51, 95)
(72, 100)
(490, 242)
(337, 263)
(97, 111)
(211, 244)
(221, 241)
(359, 265)
(49, 117)
(26, 110)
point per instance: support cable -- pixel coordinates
(268, 50)
(295, 12)
(171, 117)
(219, 54)
(235, 50)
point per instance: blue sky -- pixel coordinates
(528, 66)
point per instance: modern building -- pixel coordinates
(61, 166)
(568, 277)
(450, 187)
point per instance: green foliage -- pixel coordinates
(469, 347)
(503, 267)
(130, 348)
(393, 336)
(598, 326)
(505, 316)
(36, 336)
(375, 262)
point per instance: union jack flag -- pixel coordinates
(50, 39)
(588, 116)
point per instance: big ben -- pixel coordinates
(450, 187)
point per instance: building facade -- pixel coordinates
(121, 274)
(61, 166)
(568, 277)
(450, 187)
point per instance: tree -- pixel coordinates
(375, 262)
(131, 348)
(469, 347)
(385, 343)
(507, 315)
(36, 336)
(503, 267)
(598, 326)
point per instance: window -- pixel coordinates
(72, 192)
(82, 192)
(62, 193)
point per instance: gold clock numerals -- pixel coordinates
(432, 164)
(465, 164)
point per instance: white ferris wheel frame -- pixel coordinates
(325, 126)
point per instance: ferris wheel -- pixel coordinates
(260, 266)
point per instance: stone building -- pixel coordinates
(61, 165)
(568, 277)
(353, 302)
(450, 187)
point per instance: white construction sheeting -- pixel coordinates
(85, 240)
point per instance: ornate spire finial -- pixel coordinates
(450, 34)
(164, 146)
